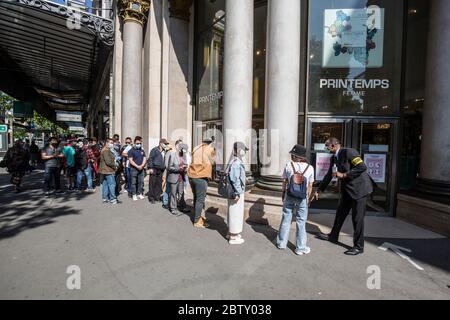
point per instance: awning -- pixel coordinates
(50, 53)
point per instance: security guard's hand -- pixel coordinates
(340, 175)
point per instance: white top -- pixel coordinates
(300, 167)
(128, 148)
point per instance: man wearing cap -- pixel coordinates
(295, 199)
(156, 167)
(236, 174)
(356, 185)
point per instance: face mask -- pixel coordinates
(138, 146)
(111, 146)
(54, 144)
(242, 153)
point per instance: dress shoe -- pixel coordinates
(354, 252)
(326, 237)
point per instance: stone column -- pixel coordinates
(283, 86)
(134, 14)
(435, 157)
(238, 76)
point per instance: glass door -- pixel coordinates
(375, 140)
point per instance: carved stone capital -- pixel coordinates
(179, 9)
(134, 10)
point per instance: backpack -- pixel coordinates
(298, 184)
(225, 188)
(81, 160)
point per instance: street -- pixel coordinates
(136, 250)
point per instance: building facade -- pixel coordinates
(273, 73)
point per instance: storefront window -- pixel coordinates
(355, 51)
(413, 100)
(210, 50)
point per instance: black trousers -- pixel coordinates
(155, 185)
(358, 208)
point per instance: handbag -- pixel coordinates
(3, 163)
(225, 188)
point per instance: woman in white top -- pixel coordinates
(298, 179)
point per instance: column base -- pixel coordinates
(440, 188)
(270, 183)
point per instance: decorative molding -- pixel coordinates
(134, 10)
(180, 9)
(103, 28)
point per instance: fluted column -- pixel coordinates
(435, 157)
(283, 85)
(134, 14)
(238, 76)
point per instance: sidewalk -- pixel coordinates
(136, 250)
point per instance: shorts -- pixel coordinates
(71, 172)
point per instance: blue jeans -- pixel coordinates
(166, 193)
(301, 214)
(109, 187)
(86, 172)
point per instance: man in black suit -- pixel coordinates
(355, 186)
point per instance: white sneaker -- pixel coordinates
(141, 197)
(301, 253)
(135, 198)
(238, 240)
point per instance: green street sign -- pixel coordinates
(3, 128)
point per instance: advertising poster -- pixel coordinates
(323, 161)
(376, 166)
(353, 38)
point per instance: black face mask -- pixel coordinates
(54, 145)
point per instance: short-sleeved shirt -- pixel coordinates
(137, 155)
(69, 154)
(49, 151)
(299, 167)
(127, 150)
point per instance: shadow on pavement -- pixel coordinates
(30, 208)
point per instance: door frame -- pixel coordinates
(350, 136)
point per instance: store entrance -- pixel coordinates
(375, 140)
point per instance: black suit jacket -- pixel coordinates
(358, 183)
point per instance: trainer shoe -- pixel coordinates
(135, 198)
(303, 252)
(236, 241)
(141, 197)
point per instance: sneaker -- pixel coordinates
(48, 193)
(114, 201)
(125, 190)
(90, 190)
(176, 213)
(236, 241)
(135, 198)
(141, 197)
(105, 201)
(303, 252)
(59, 192)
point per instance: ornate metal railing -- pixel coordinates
(76, 18)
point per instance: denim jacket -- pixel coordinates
(237, 175)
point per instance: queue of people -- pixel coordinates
(87, 163)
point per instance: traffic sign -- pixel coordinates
(3, 128)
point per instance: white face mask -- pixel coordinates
(242, 153)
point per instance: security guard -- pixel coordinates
(356, 185)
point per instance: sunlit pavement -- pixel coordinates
(136, 250)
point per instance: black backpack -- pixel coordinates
(81, 160)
